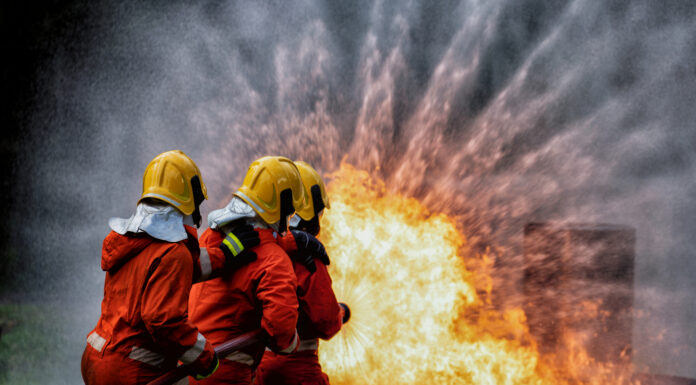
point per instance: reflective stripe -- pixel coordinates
(162, 197)
(251, 202)
(292, 346)
(240, 357)
(96, 341)
(305, 345)
(192, 354)
(204, 261)
(233, 243)
(143, 355)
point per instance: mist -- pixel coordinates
(498, 113)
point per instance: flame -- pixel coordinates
(419, 301)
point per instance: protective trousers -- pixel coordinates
(301, 368)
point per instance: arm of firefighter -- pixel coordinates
(287, 243)
(211, 264)
(277, 292)
(164, 310)
(220, 252)
(318, 303)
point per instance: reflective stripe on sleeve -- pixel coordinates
(233, 243)
(292, 346)
(305, 345)
(240, 357)
(145, 356)
(204, 261)
(96, 341)
(192, 354)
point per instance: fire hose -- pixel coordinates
(222, 350)
(225, 348)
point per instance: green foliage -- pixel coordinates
(36, 345)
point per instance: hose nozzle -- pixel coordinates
(345, 312)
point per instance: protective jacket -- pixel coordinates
(319, 317)
(260, 294)
(144, 329)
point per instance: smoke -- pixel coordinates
(497, 112)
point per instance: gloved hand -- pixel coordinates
(209, 371)
(237, 244)
(309, 248)
(345, 312)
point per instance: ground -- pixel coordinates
(36, 345)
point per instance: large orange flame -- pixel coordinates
(418, 296)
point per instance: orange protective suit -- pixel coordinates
(144, 328)
(260, 294)
(319, 317)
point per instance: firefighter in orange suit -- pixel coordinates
(259, 293)
(320, 315)
(151, 260)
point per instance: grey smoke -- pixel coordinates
(498, 112)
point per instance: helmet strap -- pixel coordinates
(196, 216)
(286, 209)
(198, 198)
(317, 200)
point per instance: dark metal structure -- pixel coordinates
(578, 287)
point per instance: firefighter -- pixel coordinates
(260, 292)
(320, 315)
(151, 260)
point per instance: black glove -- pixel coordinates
(309, 248)
(345, 312)
(209, 371)
(237, 246)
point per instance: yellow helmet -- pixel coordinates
(174, 178)
(265, 185)
(315, 192)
